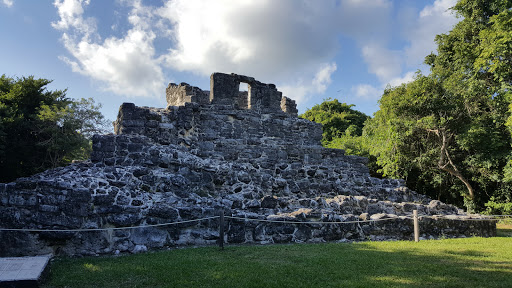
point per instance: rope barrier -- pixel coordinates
(458, 219)
(486, 217)
(105, 229)
(491, 218)
(312, 222)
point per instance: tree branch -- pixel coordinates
(443, 164)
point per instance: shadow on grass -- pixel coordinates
(447, 263)
(504, 230)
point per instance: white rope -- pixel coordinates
(311, 222)
(105, 229)
(491, 218)
(484, 218)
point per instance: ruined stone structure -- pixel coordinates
(247, 154)
(261, 97)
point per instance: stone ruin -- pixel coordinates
(246, 153)
(264, 98)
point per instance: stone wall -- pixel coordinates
(195, 159)
(195, 125)
(288, 106)
(261, 97)
(178, 95)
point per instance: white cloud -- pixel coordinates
(278, 40)
(363, 19)
(370, 92)
(8, 3)
(382, 62)
(265, 39)
(298, 92)
(439, 8)
(433, 19)
(282, 41)
(125, 66)
(301, 91)
(397, 81)
(367, 91)
(70, 13)
(323, 77)
(271, 41)
(388, 64)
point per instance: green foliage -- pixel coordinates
(343, 129)
(41, 129)
(428, 136)
(446, 133)
(498, 207)
(337, 119)
(360, 146)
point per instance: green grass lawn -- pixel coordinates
(470, 262)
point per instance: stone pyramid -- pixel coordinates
(244, 153)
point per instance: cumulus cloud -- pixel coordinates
(382, 62)
(125, 66)
(273, 41)
(323, 77)
(70, 13)
(8, 3)
(371, 92)
(397, 81)
(433, 19)
(364, 19)
(301, 89)
(266, 39)
(367, 91)
(284, 42)
(388, 64)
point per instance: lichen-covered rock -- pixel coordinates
(250, 157)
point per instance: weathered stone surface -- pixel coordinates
(178, 95)
(245, 153)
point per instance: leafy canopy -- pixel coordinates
(337, 119)
(41, 129)
(446, 133)
(343, 129)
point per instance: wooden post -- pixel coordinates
(221, 229)
(416, 226)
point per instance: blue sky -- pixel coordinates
(128, 51)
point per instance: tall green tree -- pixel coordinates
(446, 133)
(425, 134)
(41, 129)
(343, 129)
(337, 119)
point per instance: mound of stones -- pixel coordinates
(246, 154)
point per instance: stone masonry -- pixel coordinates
(247, 154)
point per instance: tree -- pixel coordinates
(426, 135)
(446, 132)
(41, 129)
(337, 119)
(343, 129)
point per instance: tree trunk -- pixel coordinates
(445, 161)
(457, 174)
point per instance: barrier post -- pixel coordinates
(221, 229)
(416, 226)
